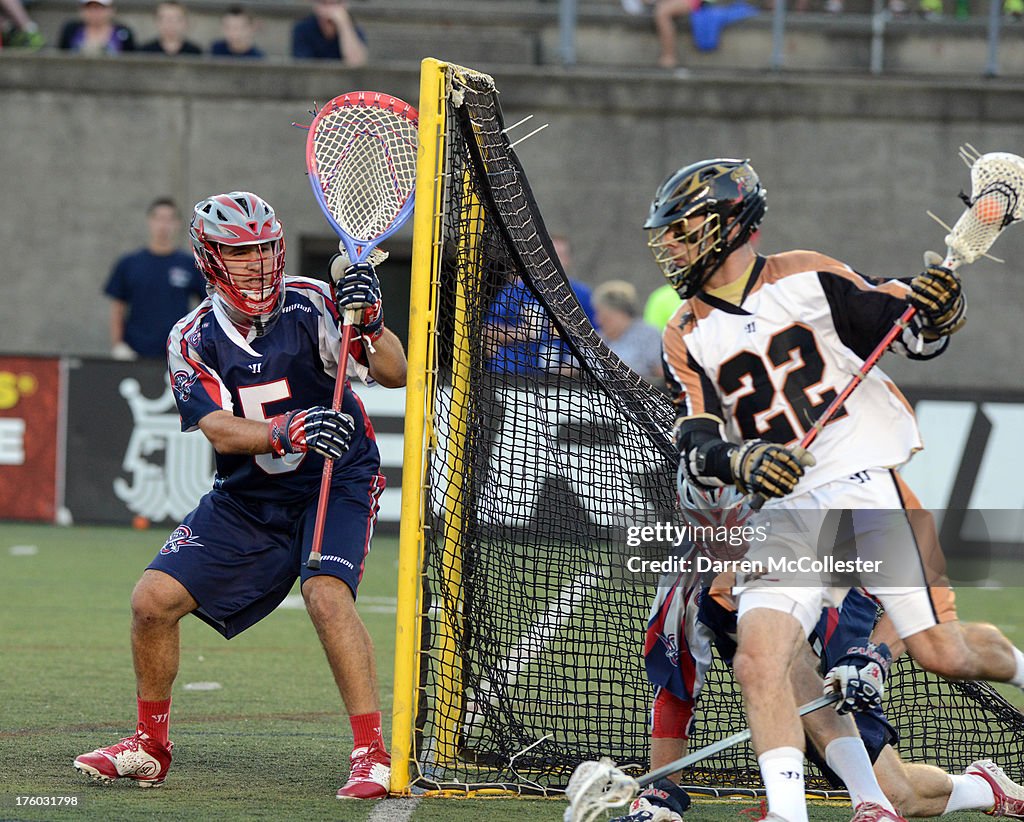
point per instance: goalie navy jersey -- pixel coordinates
(770, 366)
(293, 366)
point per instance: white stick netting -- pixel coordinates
(997, 199)
(366, 166)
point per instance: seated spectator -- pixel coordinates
(707, 19)
(239, 30)
(518, 336)
(171, 27)
(96, 33)
(329, 33)
(19, 30)
(637, 344)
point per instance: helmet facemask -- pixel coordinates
(239, 246)
(688, 256)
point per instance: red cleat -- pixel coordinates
(1009, 795)
(370, 777)
(136, 757)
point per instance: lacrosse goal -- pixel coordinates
(519, 642)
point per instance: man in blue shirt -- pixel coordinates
(152, 288)
(329, 33)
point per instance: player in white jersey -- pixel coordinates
(754, 355)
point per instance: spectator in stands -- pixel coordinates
(660, 306)
(707, 19)
(239, 30)
(329, 33)
(518, 335)
(171, 28)
(618, 321)
(152, 288)
(19, 30)
(96, 33)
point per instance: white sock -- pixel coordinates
(782, 770)
(846, 756)
(1018, 678)
(970, 793)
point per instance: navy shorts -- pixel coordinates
(239, 558)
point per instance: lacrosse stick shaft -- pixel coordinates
(759, 500)
(313, 563)
(724, 744)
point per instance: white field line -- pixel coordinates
(393, 810)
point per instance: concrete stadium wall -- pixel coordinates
(851, 166)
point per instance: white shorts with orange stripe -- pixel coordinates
(868, 531)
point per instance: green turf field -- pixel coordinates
(267, 744)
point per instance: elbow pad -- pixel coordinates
(703, 452)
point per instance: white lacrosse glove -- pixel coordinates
(859, 678)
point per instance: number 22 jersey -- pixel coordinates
(770, 366)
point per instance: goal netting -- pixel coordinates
(538, 451)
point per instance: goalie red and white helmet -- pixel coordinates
(729, 194)
(237, 219)
(714, 508)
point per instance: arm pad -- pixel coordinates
(703, 451)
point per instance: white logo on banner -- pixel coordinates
(166, 489)
(12, 441)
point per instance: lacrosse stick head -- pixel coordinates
(595, 787)
(996, 201)
(361, 159)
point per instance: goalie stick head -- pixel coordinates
(728, 194)
(596, 786)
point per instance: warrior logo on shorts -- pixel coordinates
(180, 538)
(183, 382)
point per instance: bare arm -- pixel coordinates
(229, 434)
(353, 51)
(388, 363)
(117, 312)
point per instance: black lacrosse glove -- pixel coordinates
(937, 294)
(859, 678)
(324, 430)
(358, 288)
(760, 467)
(662, 794)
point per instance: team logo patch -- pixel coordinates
(181, 537)
(195, 337)
(671, 648)
(183, 382)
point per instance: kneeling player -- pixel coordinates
(686, 621)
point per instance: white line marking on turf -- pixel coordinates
(393, 810)
(24, 550)
(367, 605)
(203, 686)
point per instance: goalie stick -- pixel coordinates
(361, 158)
(996, 201)
(594, 787)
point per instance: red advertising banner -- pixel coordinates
(30, 437)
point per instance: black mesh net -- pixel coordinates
(542, 449)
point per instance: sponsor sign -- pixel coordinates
(30, 437)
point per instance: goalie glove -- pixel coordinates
(356, 288)
(937, 294)
(664, 801)
(760, 467)
(859, 678)
(324, 430)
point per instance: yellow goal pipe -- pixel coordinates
(429, 186)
